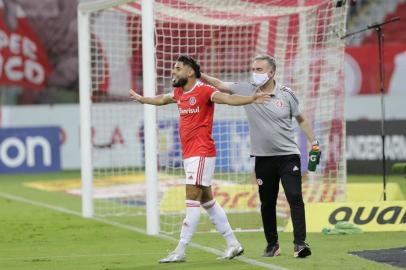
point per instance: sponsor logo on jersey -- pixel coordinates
(189, 110)
(295, 168)
(192, 101)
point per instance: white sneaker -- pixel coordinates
(174, 257)
(232, 252)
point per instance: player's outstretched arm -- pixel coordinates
(236, 100)
(220, 85)
(157, 100)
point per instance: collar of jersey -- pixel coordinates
(276, 89)
(193, 88)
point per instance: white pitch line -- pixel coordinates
(138, 230)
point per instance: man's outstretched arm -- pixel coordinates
(236, 100)
(220, 85)
(157, 100)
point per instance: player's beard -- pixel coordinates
(180, 82)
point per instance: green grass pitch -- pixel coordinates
(44, 230)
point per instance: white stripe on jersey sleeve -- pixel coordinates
(212, 94)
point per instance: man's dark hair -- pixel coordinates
(189, 61)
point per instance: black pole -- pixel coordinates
(382, 91)
(378, 29)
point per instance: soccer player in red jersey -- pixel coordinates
(195, 101)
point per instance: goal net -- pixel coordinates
(223, 36)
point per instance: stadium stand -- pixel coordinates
(364, 13)
(392, 30)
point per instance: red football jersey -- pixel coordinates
(196, 120)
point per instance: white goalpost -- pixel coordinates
(85, 120)
(130, 153)
(149, 86)
(149, 78)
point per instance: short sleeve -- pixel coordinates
(294, 103)
(210, 91)
(242, 88)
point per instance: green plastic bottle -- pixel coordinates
(313, 158)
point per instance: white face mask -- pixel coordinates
(259, 79)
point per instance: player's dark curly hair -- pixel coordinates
(187, 60)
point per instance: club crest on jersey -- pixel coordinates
(192, 101)
(279, 103)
